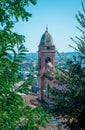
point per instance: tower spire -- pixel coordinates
(46, 28)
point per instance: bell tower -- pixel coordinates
(46, 61)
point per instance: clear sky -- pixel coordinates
(59, 15)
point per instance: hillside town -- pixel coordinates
(42, 73)
(31, 67)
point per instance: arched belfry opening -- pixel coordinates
(46, 60)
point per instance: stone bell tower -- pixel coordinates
(46, 63)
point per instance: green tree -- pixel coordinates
(70, 101)
(33, 118)
(11, 104)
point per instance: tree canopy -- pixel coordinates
(13, 114)
(70, 101)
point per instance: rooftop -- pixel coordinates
(46, 39)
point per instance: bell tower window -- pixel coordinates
(48, 59)
(48, 48)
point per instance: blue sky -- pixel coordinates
(59, 15)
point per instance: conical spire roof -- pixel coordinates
(46, 39)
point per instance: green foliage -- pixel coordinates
(34, 118)
(12, 112)
(25, 87)
(70, 100)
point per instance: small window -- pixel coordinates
(48, 59)
(48, 48)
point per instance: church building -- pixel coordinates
(46, 66)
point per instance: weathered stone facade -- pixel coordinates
(46, 65)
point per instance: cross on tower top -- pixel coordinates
(46, 27)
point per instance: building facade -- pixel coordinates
(46, 66)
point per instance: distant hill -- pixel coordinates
(31, 56)
(66, 54)
(34, 56)
(70, 54)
